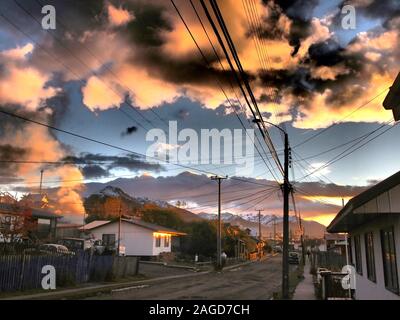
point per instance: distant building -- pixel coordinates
(373, 221)
(335, 242)
(17, 222)
(138, 238)
(68, 230)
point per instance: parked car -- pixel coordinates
(76, 244)
(294, 257)
(277, 249)
(50, 249)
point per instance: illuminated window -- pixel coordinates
(166, 241)
(158, 241)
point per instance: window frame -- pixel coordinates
(388, 234)
(370, 255)
(157, 241)
(358, 254)
(167, 241)
(108, 236)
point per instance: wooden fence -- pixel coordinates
(24, 272)
(327, 259)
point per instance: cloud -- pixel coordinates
(19, 82)
(118, 16)
(91, 168)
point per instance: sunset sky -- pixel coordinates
(106, 53)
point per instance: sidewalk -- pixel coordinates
(305, 289)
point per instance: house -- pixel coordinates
(138, 237)
(335, 242)
(68, 230)
(372, 220)
(19, 221)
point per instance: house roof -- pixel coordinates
(334, 236)
(94, 224)
(345, 220)
(150, 226)
(37, 213)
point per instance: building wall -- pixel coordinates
(138, 241)
(365, 288)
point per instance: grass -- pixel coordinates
(295, 277)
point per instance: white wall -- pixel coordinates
(365, 288)
(138, 241)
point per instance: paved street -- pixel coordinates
(254, 281)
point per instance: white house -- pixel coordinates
(139, 238)
(372, 220)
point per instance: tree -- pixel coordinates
(201, 239)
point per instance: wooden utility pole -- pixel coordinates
(259, 232)
(41, 181)
(286, 191)
(259, 223)
(119, 226)
(219, 231)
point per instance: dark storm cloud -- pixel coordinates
(300, 12)
(9, 153)
(94, 171)
(91, 166)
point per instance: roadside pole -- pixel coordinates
(259, 233)
(285, 254)
(119, 227)
(219, 179)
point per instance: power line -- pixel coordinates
(337, 122)
(110, 145)
(209, 64)
(240, 75)
(344, 154)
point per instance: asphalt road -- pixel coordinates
(257, 280)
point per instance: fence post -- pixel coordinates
(21, 279)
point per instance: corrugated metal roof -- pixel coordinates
(94, 224)
(345, 218)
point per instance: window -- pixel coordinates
(158, 241)
(369, 253)
(108, 239)
(166, 241)
(357, 249)
(349, 245)
(389, 260)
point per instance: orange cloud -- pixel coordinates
(118, 16)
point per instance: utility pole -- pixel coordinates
(259, 232)
(41, 181)
(119, 226)
(286, 190)
(274, 230)
(219, 179)
(303, 253)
